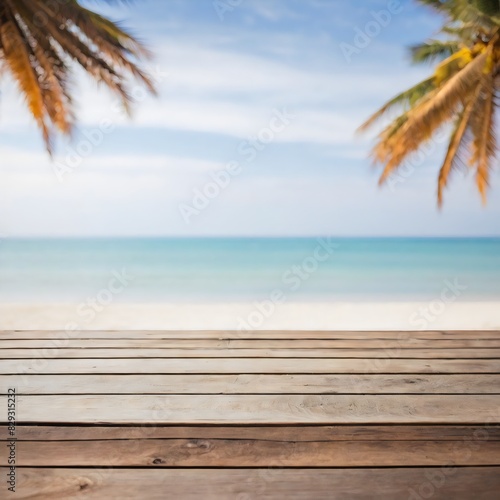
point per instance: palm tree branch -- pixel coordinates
(54, 79)
(484, 145)
(89, 60)
(405, 99)
(456, 140)
(108, 38)
(427, 117)
(433, 50)
(18, 55)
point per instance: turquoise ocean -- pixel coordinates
(242, 269)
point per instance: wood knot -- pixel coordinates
(158, 461)
(199, 443)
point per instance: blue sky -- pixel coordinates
(272, 73)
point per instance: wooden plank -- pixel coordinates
(440, 483)
(243, 365)
(474, 434)
(252, 353)
(262, 409)
(151, 343)
(251, 384)
(251, 335)
(266, 413)
(252, 453)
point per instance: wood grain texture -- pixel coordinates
(252, 384)
(351, 433)
(251, 335)
(442, 483)
(262, 409)
(181, 414)
(86, 353)
(208, 452)
(244, 365)
(158, 343)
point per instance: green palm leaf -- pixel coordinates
(462, 91)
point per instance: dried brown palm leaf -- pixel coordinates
(40, 41)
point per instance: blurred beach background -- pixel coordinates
(250, 283)
(206, 209)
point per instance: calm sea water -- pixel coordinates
(249, 269)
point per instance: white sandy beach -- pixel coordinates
(230, 316)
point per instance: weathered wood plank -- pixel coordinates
(252, 353)
(175, 409)
(244, 365)
(251, 335)
(474, 434)
(441, 483)
(152, 343)
(251, 384)
(262, 409)
(252, 453)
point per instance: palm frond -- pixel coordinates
(425, 118)
(434, 50)
(490, 8)
(457, 143)
(17, 55)
(484, 145)
(462, 91)
(38, 42)
(406, 99)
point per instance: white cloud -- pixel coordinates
(230, 92)
(20, 163)
(227, 79)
